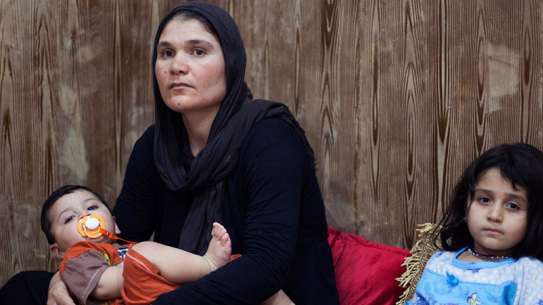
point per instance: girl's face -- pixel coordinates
(190, 68)
(497, 215)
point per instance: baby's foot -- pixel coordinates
(220, 247)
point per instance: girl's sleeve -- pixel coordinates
(135, 210)
(532, 282)
(274, 162)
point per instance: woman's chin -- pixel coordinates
(180, 104)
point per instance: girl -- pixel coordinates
(491, 234)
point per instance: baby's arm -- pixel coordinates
(110, 284)
(87, 271)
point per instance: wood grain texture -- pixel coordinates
(396, 98)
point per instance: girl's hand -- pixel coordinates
(58, 293)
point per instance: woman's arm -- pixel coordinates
(136, 210)
(274, 160)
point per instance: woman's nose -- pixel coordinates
(495, 213)
(179, 65)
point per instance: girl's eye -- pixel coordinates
(198, 52)
(92, 207)
(511, 205)
(483, 200)
(68, 219)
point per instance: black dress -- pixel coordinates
(273, 212)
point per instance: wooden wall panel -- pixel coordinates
(396, 98)
(25, 82)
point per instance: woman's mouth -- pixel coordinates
(180, 85)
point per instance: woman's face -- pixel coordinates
(190, 68)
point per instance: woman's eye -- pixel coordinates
(68, 219)
(198, 52)
(166, 53)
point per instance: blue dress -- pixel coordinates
(448, 280)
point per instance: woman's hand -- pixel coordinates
(58, 292)
(279, 298)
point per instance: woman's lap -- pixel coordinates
(26, 288)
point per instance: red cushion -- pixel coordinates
(365, 270)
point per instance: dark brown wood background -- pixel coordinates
(396, 97)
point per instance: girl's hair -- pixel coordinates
(522, 165)
(54, 197)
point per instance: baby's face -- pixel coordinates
(66, 212)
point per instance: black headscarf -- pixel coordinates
(205, 174)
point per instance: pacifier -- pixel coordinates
(91, 226)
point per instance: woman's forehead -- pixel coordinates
(181, 30)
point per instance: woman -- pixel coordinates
(214, 154)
